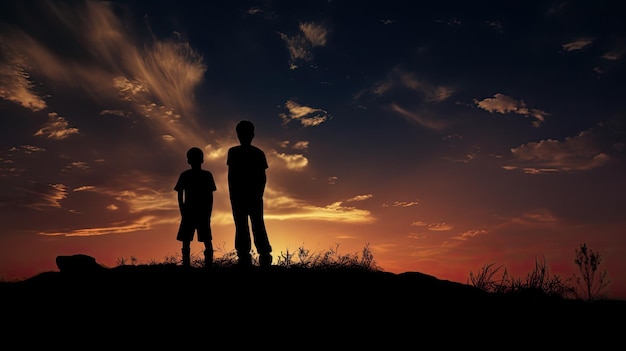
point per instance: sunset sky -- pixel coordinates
(443, 135)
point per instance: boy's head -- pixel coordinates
(195, 156)
(245, 132)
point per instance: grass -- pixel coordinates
(491, 278)
(302, 258)
(539, 283)
(591, 284)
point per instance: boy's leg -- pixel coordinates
(208, 254)
(205, 236)
(261, 240)
(186, 252)
(243, 243)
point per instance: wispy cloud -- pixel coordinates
(155, 77)
(438, 227)
(420, 118)
(616, 54)
(140, 224)
(294, 161)
(401, 79)
(581, 152)
(360, 198)
(315, 33)
(469, 234)
(307, 116)
(301, 145)
(402, 204)
(56, 128)
(409, 96)
(46, 195)
(300, 45)
(577, 44)
(504, 104)
(283, 207)
(16, 85)
(534, 217)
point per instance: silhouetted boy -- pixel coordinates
(246, 184)
(195, 189)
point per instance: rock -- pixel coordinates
(79, 263)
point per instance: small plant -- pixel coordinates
(330, 259)
(593, 286)
(171, 260)
(484, 279)
(540, 282)
(537, 283)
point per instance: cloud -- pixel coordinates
(615, 54)
(439, 227)
(503, 104)
(49, 195)
(143, 199)
(140, 224)
(10, 167)
(537, 216)
(360, 198)
(76, 166)
(400, 79)
(29, 149)
(301, 145)
(283, 207)
(419, 118)
(581, 153)
(315, 34)
(56, 128)
(118, 113)
(296, 161)
(470, 234)
(308, 116)
(578, 44)
(16, 86)
(402, 204)
(300, 45)
(410, 97)
(110, 62)
(254, 10)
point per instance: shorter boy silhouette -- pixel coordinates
(195, 189)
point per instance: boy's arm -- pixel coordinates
(181, 201)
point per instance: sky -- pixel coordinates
(440, 136)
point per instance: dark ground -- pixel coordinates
(167, 306)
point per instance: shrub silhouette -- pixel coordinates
(593, 286)
(539, 282)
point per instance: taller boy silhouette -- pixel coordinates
(246, 185)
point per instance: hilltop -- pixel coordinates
(153, 304)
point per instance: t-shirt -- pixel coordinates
(246, 171)
(198, 186)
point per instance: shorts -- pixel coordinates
(190, 224)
